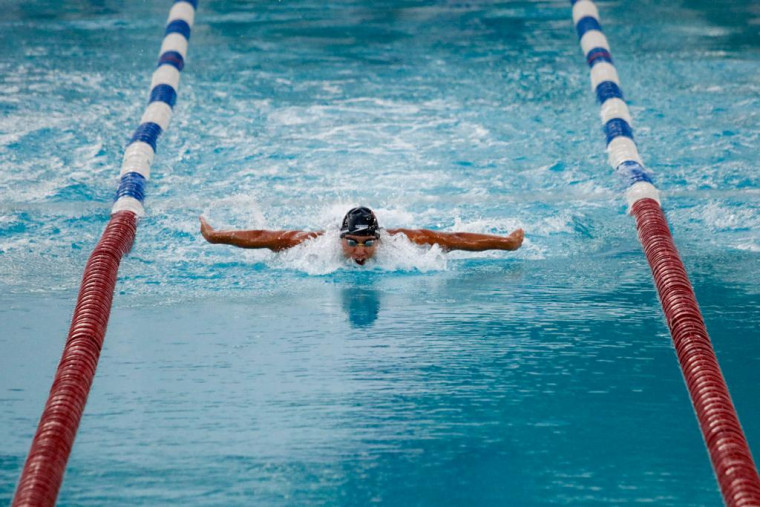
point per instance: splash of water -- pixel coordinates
(323, 255)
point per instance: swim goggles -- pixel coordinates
(367, 242)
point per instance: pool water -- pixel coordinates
(237, 377)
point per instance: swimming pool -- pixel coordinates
(541, 376)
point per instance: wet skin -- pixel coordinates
(360, 253)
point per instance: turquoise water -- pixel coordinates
(234, 377)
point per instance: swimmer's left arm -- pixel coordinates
(469, 241)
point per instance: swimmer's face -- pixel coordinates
(359, 248)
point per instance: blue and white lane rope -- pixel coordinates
(622, 150)
(139, 153)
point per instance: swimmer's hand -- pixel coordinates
(208, 232)
(515, 239)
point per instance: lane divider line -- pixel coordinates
(725, 440)
(45, 465)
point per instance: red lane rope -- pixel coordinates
(726, 444)
(44, 468)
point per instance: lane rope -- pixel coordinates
(45, 465)
(729, 452)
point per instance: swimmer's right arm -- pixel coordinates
(273, 240)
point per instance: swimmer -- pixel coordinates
(360, 237)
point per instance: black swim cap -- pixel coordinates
(359, 222)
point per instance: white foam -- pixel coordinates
(749, 246)
(397, 253)
(718, 216)
(237, 211)
(323, 255)
(319, 256)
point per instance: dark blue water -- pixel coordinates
(232, 377)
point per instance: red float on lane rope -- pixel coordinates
(726, 444)
(44, 468)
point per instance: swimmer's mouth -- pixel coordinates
(360, 261)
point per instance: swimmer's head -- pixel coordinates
(359, 235)
(359, 221)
